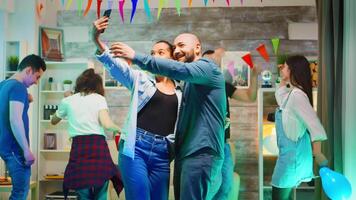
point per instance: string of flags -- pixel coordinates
(262, 50)
(66, 4)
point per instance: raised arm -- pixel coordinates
(118, 68)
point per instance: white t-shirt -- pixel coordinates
(82, 113)
(299, 115)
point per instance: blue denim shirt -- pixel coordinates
(142, 87)
(201, 120)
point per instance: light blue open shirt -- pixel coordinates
(142, 87)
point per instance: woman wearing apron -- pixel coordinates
(299, 131)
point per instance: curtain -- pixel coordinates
(330, 22)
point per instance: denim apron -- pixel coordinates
(295, 162)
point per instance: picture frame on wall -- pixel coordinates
(51, 44)
(235, 70)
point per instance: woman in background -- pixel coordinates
(299, 131)
(90, 165)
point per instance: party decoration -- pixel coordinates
(335, 185)
(190, 3)
(205, 2)
(87, 8)
(263, 52)
(248, 59)
(39, 10)
(228, 2)
(69, 3)
(134, 5)
(121, 9)
(80, 6)
(160, 7)
(110, 2)
(275, 45)
(147, 10)
(177, 2)
(242, 2)
(62, 2)
(98, 8)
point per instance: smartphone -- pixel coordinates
(107, 14)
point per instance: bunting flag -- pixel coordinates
(190, 3)
(242, 2)
(205, 2)
(110, 2)
(69, 3)
(228, 2)
(39, 10)
(121, 10)
(263, 52)
(178, 6)
(134, 5)
(160, 7)
(98, 8)
(275, 45)
(80, 6)
(87, 8)
(248, 59)
(147, 10)
(62, 3)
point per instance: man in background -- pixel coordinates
(14, 124)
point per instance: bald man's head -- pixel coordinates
(187, 47)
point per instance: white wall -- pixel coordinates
(349, 91)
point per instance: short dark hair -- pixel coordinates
(35, 62)
(170, 46)
(208, 52)
(89, 82)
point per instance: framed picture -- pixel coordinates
(51, 44)
(235, 70)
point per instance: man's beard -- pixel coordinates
(187, 58)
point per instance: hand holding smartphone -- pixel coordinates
(107, 14)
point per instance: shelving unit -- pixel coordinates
(54, 161)
(267, 148)
(13, 48)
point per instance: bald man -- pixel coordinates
(200, 131)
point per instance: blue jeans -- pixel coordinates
(95, 193)
(147, 176)
(197, 176)
(20, 175)
(227, 173)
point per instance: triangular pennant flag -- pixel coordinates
(242, 2)
(178, 6)
(39, 10)
(160, 6)
(205, 2)
(190, 3)
(62, 2)
(147, 10)
(275, 45)
(121, 9)
(87, 8)
(80, 6)
(248, 59)
(263, 52)
(228, 2)
(98, 8)
(110, 2)
(69, 3)
(134, 5)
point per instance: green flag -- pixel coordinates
(275, 44)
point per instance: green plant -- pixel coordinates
(13, 62)
(67, 82)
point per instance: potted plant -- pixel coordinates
(67, 85)
(13, 62)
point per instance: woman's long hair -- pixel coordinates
(89, 82)
(300, 75)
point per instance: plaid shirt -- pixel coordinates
(90, 163)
